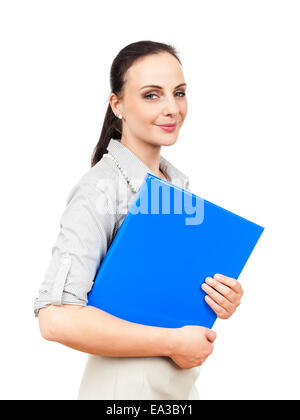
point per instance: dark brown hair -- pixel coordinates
(112, 125)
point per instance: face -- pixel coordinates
(144, 109)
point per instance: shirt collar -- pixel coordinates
(136, 169)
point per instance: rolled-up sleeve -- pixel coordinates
(86, 230)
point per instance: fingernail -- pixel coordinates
(209, 280)
(218, 276)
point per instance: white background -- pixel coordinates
(239, 146)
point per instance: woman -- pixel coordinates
(126, 360)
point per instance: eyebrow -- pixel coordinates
(159, 87)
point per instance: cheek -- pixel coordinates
(183, 109)
(142, 113)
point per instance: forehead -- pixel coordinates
(160, 69)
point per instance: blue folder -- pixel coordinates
(169, 242)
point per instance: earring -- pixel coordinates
(120, 116)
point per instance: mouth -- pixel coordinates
(168, 127)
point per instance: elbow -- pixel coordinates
(49, 323)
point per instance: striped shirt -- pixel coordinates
(95, 209)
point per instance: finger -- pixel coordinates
(210, 335)
(218, 298)
(226, 291)
(229, 281)
(221, 312)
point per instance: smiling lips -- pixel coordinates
(168, 127)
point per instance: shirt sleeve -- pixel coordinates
(86, 230)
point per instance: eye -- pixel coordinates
(147, 96)
(183, 94)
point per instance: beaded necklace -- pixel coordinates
(109, 155)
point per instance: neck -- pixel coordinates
(149, 154)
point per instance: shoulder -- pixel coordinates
(92, 198)
(98, 181)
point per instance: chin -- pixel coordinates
(169, 139)
(163, 139)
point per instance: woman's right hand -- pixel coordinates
(193, 345)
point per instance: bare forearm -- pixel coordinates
(94, 331)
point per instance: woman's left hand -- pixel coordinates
(223, 294)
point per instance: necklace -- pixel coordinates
(109, 155)
(123, 172)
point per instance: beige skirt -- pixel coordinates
(137, 378)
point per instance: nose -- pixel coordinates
(171, 106)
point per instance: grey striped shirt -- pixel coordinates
(95, 209)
